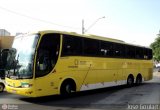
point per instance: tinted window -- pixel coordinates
(72, 45)
(106, 49)
(130, 51)
(91, 47)
(145, 51)
(119, 50)
(139, 53)
(150, 54)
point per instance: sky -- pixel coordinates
(133, 21)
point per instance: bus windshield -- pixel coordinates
(22, 65)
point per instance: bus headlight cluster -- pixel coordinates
(25, 85)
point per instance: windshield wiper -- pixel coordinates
(13, 77)
(24, 77)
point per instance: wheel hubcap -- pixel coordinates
(68, 89)
(139, 81)
(129, 81)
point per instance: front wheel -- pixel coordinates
(67, 88)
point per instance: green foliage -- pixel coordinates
(156, 48)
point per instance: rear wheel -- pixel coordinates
(1, 87)
(130, 81)
(138, 80)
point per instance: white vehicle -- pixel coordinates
(157, 65)
(2, 85)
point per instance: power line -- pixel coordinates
(37, 19)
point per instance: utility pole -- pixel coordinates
(85, 30)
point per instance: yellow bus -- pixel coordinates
(54, 62)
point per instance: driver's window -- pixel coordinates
(43, 59)
(47, 54)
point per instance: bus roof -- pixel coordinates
(90, 36)
(83, 35)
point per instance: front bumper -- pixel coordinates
(29, 92)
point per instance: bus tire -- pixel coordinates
(67, 87)
(138, 79)
(2, 87)
(130, 81)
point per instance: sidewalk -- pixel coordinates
(156, 73)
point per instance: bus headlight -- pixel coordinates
(26, 85)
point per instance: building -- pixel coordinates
(6, 39)
(4, 32)
(6, 42)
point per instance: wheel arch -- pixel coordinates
(139, 75)
(69, 79)
(128, 82)
(2, 84)
(131, 75)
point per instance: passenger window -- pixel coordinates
(91, 47)
(71, 45)
(150, 54)
(139, 53)
(119, 50)
(106, 49)
(130, 51)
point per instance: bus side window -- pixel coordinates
(106, 49)
(139, 53)
(72, 45)
(91, 47)
(150, 54)
(119, 50)
(130, 52)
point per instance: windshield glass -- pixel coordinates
(22, 66)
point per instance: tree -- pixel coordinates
(156, 48)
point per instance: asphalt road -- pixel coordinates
(113, 98)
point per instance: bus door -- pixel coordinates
(46, 59)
